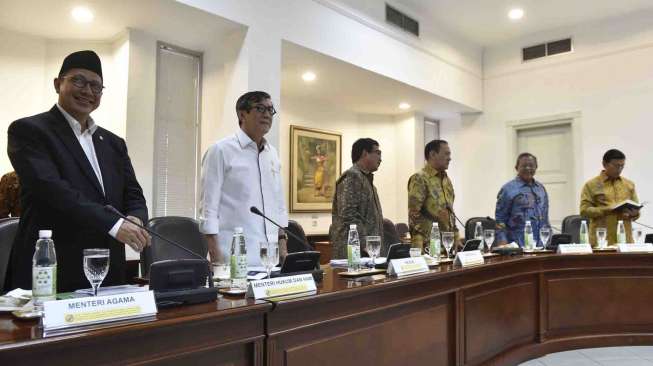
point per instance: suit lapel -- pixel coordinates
(104, 159)
(66, 134)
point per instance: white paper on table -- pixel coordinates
(112, 290)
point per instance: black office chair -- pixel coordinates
(557, 239)
(8, 228)
(390, 234)
(571, 226)
(182, 230)
(648, 238)
(293, 244)
(402, 229)
(487, 223)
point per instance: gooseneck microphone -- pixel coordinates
(256, 211)
(115, 211)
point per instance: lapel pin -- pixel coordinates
(101, 138)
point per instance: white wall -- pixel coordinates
(608, 79)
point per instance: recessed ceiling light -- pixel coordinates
(404, 105)
(308, 76)
(82, 14)
(516, 14)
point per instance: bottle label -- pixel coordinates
(238, 266)
(528, 241)
(44, 281)
(434, 248)
(353, 255)
(583, 238)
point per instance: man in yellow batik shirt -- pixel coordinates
(431, 196)
(603, 192)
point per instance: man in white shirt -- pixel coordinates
(238, 172)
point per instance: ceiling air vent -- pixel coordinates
(401, 20)
(546, 49)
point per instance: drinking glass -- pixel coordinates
(373, 247)
(601, 237)
(96, 266)
(488, 237)
(545, 235)
(415, 252)
(447, 241)
(638, 236)
(269, 252)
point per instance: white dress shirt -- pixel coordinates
(86, 141)
(235, 176)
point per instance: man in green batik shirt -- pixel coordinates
(431, 196)
(603, 192)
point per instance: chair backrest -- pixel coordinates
(8, 228)
(648, 238)
(402, 229)
(293, 244)
(487, 223)
(182, 230)
(390, 234)
(557, 239)
(571, 226)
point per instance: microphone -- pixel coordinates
(154, 233)
(256, 211)
(454, 214)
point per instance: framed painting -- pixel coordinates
(315, 165)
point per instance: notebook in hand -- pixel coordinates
(627, 204)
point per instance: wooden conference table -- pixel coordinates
(502, 313)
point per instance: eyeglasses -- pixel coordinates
(261, 109)
(81, 82)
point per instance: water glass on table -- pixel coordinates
(545, 235)
(488, 238)
(269, 252)
(638, 235)
(602, 237)
(96, 266)
(373, 247)
(447, 241)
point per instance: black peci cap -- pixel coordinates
(87, 60)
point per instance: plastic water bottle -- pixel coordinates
(238, 260)
(353, 249)
(435, 242)
(528, 236)
(583, 236)
(44, 269)
(621, 232)
(478, 234)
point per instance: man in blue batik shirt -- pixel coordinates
(520, 200)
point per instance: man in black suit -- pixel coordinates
(70, 169)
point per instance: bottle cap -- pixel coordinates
(528, 222)
(352, 226)
(45, 234)
(238, 230)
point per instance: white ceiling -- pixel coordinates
(485, 22)
(354, 89)
(167, 18)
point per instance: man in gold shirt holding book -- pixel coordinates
(601, 194)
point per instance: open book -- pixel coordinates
(627, 204)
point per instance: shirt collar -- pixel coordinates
(75, 125)
(245, 140)
(525, 183)
(605, 177)
(430, 171)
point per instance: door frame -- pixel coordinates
(574, 119)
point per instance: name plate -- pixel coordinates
(281, 286)
(85, 311)
(470, 258)
(574, 249)
(407, 266)
(635, 248)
